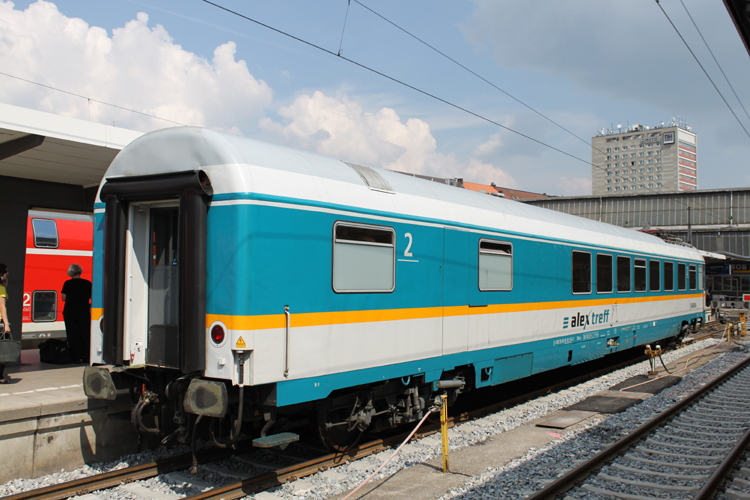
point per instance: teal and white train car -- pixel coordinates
(238, 279)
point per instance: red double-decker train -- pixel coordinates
(54, 241)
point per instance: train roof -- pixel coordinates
(236, 165)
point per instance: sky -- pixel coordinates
(553, 74)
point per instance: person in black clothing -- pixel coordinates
(4, 314)
(76, 293)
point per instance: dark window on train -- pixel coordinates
(623, 274)
(495, 265)
(44, 306)
(680, 276)
(654, 275)
(639, 275)
(701, 280)
(668, 276)
(45, 233)
(581, 272)
(603, 273)
(693, 277)
(363, 258)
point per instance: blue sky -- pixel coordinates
(587, 65)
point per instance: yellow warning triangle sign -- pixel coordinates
(240, 344)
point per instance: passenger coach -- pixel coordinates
(239, 280)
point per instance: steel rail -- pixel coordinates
(277, 477)
(712, 485)
(116, 477)
(584, 470)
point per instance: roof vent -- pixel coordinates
(371, 178)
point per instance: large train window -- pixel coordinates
(693, 277)
(623, 274)
(654, 275)
(603, 273)
(681, 276)
(581, 272)
(668, 276)
(44, 306)
(639, 275)
(45, 233)
(495, 265)
(363, 258)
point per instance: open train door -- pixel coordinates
(154, 297)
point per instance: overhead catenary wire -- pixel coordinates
(475, 74)
(400, 82)
(702, 68)
(91, 99)
(423, 92)
(715, 60)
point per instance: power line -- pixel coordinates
(704, 69)
(395, 80)
(351, 61)
(474, 73)
(626, 179)
(91, 99)
(715, 60)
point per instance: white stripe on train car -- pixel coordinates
(59, 251)
(43, 326)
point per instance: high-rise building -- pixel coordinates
(639, 159)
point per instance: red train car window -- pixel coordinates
(45, 233)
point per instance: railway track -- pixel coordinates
(687, 451)
(261, 474)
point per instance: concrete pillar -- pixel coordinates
(13, 218)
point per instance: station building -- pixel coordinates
(642, 159)
(715, 221)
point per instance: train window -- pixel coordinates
(668, 276)
(363, 258)
(700, 278)
(680, 276)
(639, 275)
(45, 233)
(495, 265)
(581, 272)
(44, 306)
(693, 277)
(623, 274)
(654, 275)
(603, 273)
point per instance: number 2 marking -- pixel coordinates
(26, 299)
(407, 253)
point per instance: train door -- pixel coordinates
(154, 270)
(151, 319)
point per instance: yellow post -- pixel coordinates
(444, 430)
(729, 333)
(743, 325)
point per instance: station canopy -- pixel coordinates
(40, 146)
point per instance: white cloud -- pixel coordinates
(574, 187)
(138, 67)
(341, 128)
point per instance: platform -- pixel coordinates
(47, 423)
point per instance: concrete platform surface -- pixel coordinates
(47, 423)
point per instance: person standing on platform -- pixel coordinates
(4, 313)
(76, 293)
